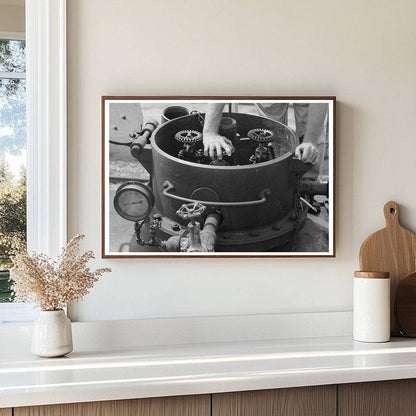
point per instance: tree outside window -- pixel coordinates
(12, 156)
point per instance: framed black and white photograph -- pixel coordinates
(218, 176)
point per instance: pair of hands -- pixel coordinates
(214, 145)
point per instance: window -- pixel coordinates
(12, 154)
(45, 27)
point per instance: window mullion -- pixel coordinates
(12, 75)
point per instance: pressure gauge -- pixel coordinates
(134, 201)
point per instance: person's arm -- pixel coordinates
(307, 151)
(213, 142)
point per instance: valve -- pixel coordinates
(221, 162)
(153, 225)
(264, 150)
(188, 136)
(204, 241)
(199, 156)
(191, 212)
(189, 140)
(262, 154)
(261, 135)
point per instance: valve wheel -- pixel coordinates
(191, 210)
(261, 135)
(188, 136)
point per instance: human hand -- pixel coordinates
(307, 153)
(214, 144)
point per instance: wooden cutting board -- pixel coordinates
(393, 250)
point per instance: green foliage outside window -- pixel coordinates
(12, 223)
(12, 145)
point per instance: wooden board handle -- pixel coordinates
(391, 214)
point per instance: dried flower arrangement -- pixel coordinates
(53, 285)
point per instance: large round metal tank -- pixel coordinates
(256, 200)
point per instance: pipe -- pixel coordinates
(313, 188)
(209, 232)
(208, 236)
(138, 144)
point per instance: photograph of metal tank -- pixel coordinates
(218, 176)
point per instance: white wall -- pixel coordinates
(361, 51)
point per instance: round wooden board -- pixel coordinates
(405, 306)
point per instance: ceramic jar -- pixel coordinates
(52, 334)
(371, 313)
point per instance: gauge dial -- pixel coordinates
(134, 201)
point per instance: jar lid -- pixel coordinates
(372, 275)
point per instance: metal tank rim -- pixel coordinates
(225, 168)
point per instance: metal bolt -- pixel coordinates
(115, 128)
(176, 227)
(123, 117)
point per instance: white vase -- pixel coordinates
(52, 334)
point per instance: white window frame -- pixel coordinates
(46, 127)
